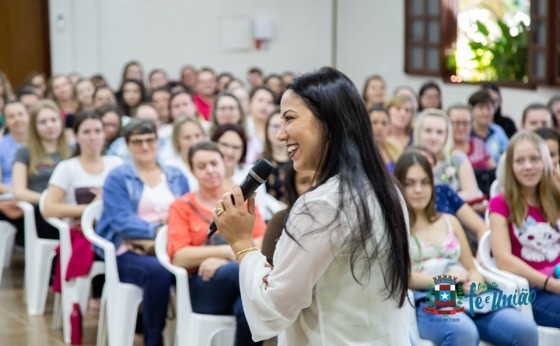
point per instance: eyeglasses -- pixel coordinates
(139, 142)
(460, 123)
(229, 146)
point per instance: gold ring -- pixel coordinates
(219, 211)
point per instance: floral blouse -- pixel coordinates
(435, 259)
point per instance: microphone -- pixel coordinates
(257, 175)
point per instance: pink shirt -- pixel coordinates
(478, 153)
(535, 242)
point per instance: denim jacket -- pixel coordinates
(121, 195)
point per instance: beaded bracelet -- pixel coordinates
(244, 251)
(545, 283)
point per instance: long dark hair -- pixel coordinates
(79, 120)
(352, 154)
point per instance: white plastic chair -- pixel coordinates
(39, 254)
(7, 239)
(548, 336)
(192, 328)
(120, 301)
(75, 290)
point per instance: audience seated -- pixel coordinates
(186, 133)
(214, 273)
(375, 91)
(381, 124)
(500, 119)
(206, 88)
(35, 162)
(136, 200)
(535, 116)
(552, 140)
(16, 121)
(276, 153)
(429, 96)
(226, 110)
(524, 222)
(401, 114)
(438, 246)
(261, 104)
(493, 135)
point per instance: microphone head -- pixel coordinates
(262, 169)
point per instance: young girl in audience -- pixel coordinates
(213, 279)
(77, 181)
(85, 90)
(186, 133)
(34, 163)
(104, 96)
(381, 124)
(524, 221)
(276, 152)
(226, 110)
(438, 246)
(374, 91)
(429, 96)
(61, 91)
(17, 125)
(400, 110)
(39, 81)
(261, 104)
(133, 95)
(433, 130)
(112, 123)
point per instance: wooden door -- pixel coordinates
(24, 38)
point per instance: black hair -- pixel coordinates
(221, 129)
(79, 120)
(548, 133)
(138, 126)
(481, 96)
(352, 154)
(425, 87)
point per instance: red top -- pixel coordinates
(203, 108)
(188, 223)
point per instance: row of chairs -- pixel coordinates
(120, 301)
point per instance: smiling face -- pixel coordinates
(417, 188)
(302, 132)
(430, 98)
(208, 168)
(433, 134)
(16, 118)
(528, 166)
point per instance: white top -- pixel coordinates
(70, 176)
(312, 298)
(155, 201)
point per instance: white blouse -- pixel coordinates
(312, 297)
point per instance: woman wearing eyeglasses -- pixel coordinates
(136, 200)
(227, 110)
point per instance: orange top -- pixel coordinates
(188, 223)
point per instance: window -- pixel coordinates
(512, 42)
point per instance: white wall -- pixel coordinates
(102, 35)
(371, 40)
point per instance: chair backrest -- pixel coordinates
(495, 188)
(91, 214)
(29, 222)
(485, 251)
(181, 275)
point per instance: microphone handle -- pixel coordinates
(248, 187)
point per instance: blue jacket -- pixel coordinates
(121, 195)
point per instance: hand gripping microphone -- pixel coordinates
(257, 176)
